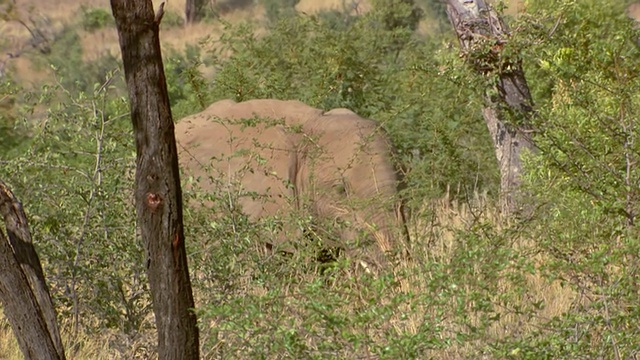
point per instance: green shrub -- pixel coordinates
(171, 19)
(189, 92)
(11, 134)
(409, 85)
(583, 177)
(277, 9)
(74, 177)
(96, 18)
(559, 284)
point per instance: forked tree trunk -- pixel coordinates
(23, 290)
(158, 192)
(482, 36)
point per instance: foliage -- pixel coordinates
(171, 19)
(437, 8)
(436, 20)
(188, 90)
(397, 14)
(74, 175)
(558, 284)
(336, 19)
(286, 306)
(376, 71)
(277, 9)
(96, 18)
(10, 134)
(446, 147)
(584, 70)
(586, 95)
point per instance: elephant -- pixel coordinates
(283, 157)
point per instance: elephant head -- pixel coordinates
(285, 157)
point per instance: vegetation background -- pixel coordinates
(561, 283)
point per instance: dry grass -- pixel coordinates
(9, 349)
(107, 345)
(85, 346)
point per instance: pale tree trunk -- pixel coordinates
(482, 36)
(23, 290)
(158, 192)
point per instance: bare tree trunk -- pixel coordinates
(23, 289)
(482, 36)
(193, 10)
(158, 192)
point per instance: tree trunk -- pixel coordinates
(158, 192)
(23, 289)
(193, 10)
(482, 36)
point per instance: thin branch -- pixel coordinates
(97, 183)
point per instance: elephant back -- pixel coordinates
(292, 112)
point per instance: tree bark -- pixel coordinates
(482, 36)
(23, 289)
(158, 192)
